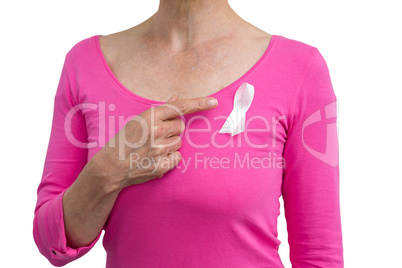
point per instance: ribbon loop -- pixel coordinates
(235, 123)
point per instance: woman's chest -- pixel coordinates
(159, 81)
(157, 73)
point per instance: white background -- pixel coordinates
(360, 41)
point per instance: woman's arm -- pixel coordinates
(86, 206)
(75, 196)
(63, 164)
(310, 186)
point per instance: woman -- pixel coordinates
(204, 197)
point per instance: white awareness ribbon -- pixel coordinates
(234, 124)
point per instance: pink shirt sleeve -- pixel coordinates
(64, 162)
(310, 186)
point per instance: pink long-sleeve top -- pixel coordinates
(219, 206)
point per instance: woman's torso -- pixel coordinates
(219, 206)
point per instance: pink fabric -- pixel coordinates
(219, 206)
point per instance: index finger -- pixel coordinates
(178, 107)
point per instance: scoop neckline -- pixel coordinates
(139, 98)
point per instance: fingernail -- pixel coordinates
(213, 102)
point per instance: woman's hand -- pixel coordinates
(146, 147)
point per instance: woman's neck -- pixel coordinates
(184, 24)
